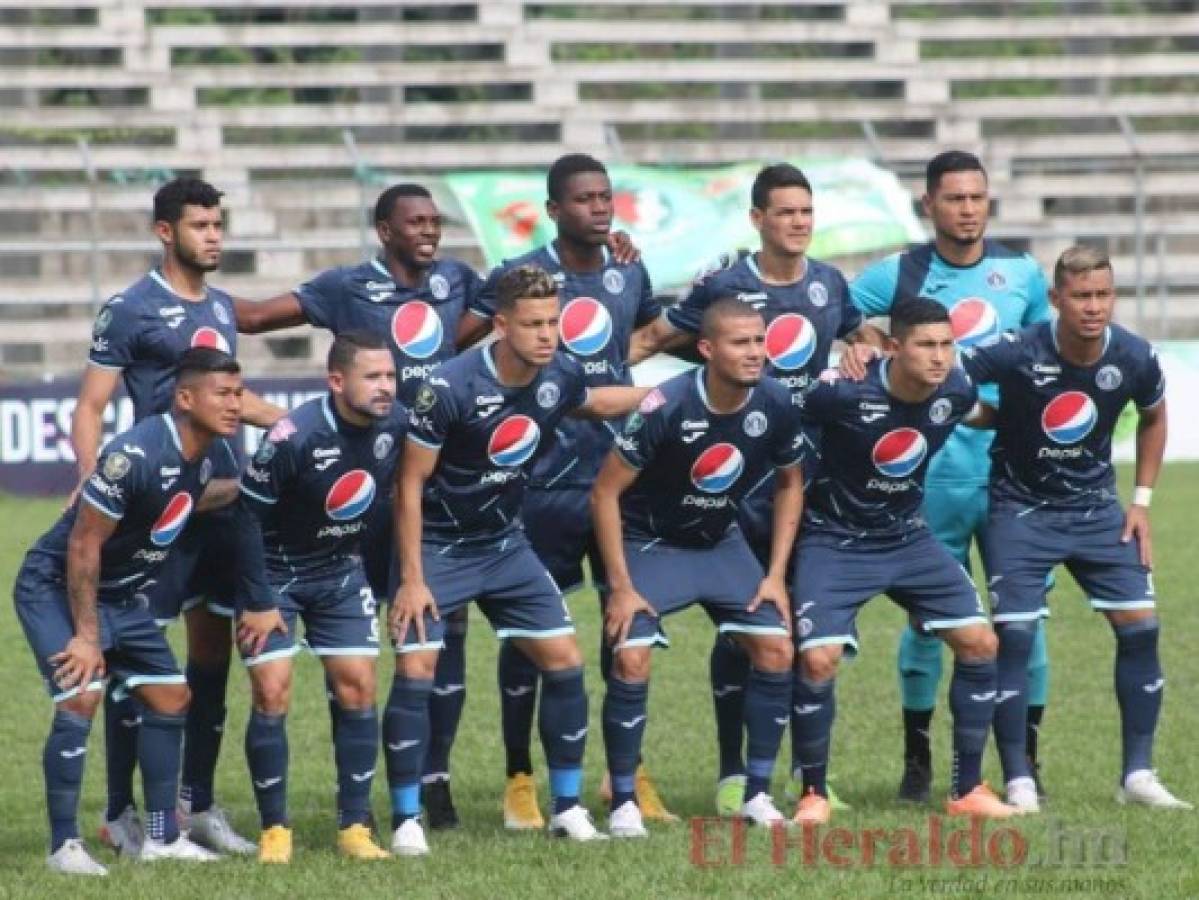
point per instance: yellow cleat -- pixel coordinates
(355, 841)
(521, 812)
(275, 845)
(652, 807)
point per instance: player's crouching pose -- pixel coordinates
(474, 432)
(80, 596)
(697, 445)
(309, 490)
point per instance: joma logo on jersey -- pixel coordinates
(416, 330)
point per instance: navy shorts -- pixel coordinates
(135, 649)
(755, 515)
(200, 569)
(1024, 544)
(558, 524)
(723, 579)
(339, 612)
(835, 576)
(513, 589)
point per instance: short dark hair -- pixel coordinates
(778, 175)
(565, 168)
(950, 161)
(346, 346)
(523, 283)
(912, 312)
(722, 308)
(386, 203)
(200, 361)
(177, 193)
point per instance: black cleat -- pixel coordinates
(1035, 768)
(439, 804)
(916, 786)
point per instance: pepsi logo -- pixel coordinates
(1069, 417)
(172, 520)
(974, 321)
(790, 341)
(514, 441)
(585, 326)
(899, 452)
(717, 468)
(416, 330)
(211, 338)
(350, 496)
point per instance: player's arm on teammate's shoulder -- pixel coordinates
(615, 477)
(609, 401)
(982, 416)
(258, 412)
(659, 336)
(82, 660)
(1150, 450)
(87, 423)
(865, 343)
(622, 248)
(259, 316)
(413, 598)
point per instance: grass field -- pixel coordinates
(1080, 741)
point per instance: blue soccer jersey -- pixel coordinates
(489, 436)
(1003, 291)
(144, 330)
(420, 323)
(1053, 435)
(695, 465)
(877, 449)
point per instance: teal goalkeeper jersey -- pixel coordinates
(1003, 291)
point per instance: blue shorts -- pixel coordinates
(755, 515)
(723, 579)
(135, 650)
(200, 569)
(558, 524)
(834, 577)
(511, 586)
(957, 514)
(1024, 544)
(339, 612)
(378, 542)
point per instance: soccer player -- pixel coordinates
(475, 428)
(806, 305)
(138, 337)
(603, 302)
(1062, 385)
(863, 535)
(310, 488)
(988, 288)
(80, 597)
(677, 475)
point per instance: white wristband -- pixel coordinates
(1141, 496)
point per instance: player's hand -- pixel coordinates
(855, 359)
(412, 601)
(79, 663)
(622, 248)
(255, 628)
(1136, 525)
(622, 607)
(773, 590)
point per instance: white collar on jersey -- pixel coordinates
(703, 394)
(1053, 323)
(553, 254)
(174, 432)
(166, 286)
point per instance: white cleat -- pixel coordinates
(211, 829)
(72, 858)
(409, 839)
(625, 821)
(760, 810)
(124, 834)
(181, 849)
(575, 824)
(1143, 786)
(1022, 794)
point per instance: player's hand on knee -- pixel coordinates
(1136, 525)
(79, 663)
(854, 360)
(412, 601)
(255, 628)
(773, 590)
(623, 606)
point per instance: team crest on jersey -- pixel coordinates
(717, 468)
(350, 496)
(974, 322)
(383, 445)
(172, 520)
(790, 341)
(996, 280)
(266, 452)
(103, 320)
(613, 281)
(939, 412)
(547, 395)
(755, 424)
(206, 336)
(439, 287)
(222, 314)
(117, 466)
(205, 471)
(1069, 417)
(416, 329)
(426, 399)
(633, 423)
(514, 441)
(1109, 378)
(585, 326)
(899, 452)
(818, 294)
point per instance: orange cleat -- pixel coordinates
(980, 802)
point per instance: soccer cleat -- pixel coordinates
(649, 800)
(211, 829)
(981, 803)
(124, 834)
(1144, 787)
(409, 839)
(1022, 795)
(72, 858)
(760, 810)
(813, 809)
(730, 795)
(625, 821)
(794, 790)
(917, 783)
(275, 845)
(181, 849)
(355, 842)
(439, 804)
(521, 812)
(575, 824)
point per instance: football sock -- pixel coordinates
(728, 670)
(356, 749)
(446, 699)
(562, 722)
(405, 736)
(917, 743)
(517, 677)
(1032, 731)
(1139, 689)
(1038, 668)
(203, 732)
(816, 708)
(159, 751)
(919, 665)
(767, 698)
(267, 757)
(122, 717)
(1011, 706)
(624, 716)
(62, 765)
(972, 702)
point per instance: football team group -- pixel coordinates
(482, 441)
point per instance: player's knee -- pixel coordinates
(974, 643)
(1118, 618)
(84, 704)
(167, 699)
(355, 690)
(820, 663)
(552, 654)
(418, 666)
(771, 654)
(271, 693)
(632, 664)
